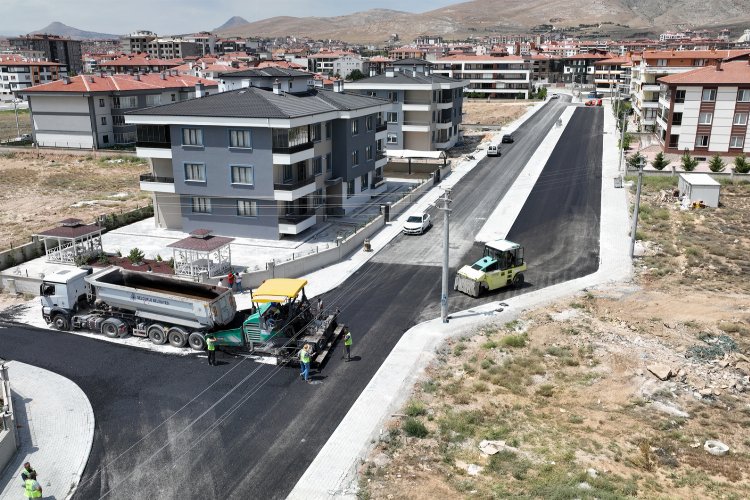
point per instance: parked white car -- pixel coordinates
(417, 223)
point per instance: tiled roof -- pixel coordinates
(266, 72)
(693, 54)
(97, 83)
(406, 78)
(589, 56)
(411, 61)
(474, 57)
(71, 231)
(731, 73)
(207, 244)
(253, 102)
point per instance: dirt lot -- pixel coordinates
(41, 189)
(8, 128)
(566, 393)
(493, 113)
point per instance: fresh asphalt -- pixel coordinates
(174, 427)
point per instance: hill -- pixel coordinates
(232, 22)
(58, 28)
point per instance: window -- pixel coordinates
(247, 208)
(393, 96)
(318, 198)
(124, 102)
(153, 100)
(743, 95)
(391, 117)
(701, 141)
(740, 119)
(392, 139)
(118, 120)
(349, 188)
(355, 158)
(355, 127)
(192, 137)
(736, 141)
(368, 122)
(329, 163)
(371, 93)
(101, 103)
(242, 175)
(368, 152)
(289, 138)
(201, 205)
(709, 95)
(676, 118)
(174, 97)
(328, 130)
(699, 62)
(315, 132)
(679, 96)
(105, 138)
(240, 139)
(195, 172)
(364, 183)
(317, 165)
(705, 118)
(674, 140)
(104, 120)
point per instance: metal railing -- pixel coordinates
(156, 178)
(381, 127)
(153, 144)
(296, 218)
(292, 184)
(292, 149)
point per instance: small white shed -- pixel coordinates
(699, 187)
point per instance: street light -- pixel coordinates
(641, 164)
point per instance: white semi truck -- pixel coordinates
(117, 302)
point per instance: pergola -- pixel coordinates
(410, 154)
(71, 240)
(202, 252)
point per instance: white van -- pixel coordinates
(493, 150)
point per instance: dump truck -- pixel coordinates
(502, 264)
(117, 302)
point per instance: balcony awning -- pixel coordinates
(415, 153)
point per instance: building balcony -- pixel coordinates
(377, 181)
(153, 183)
(650, 87)
(648, 121)
(410, 106)
(418, 126)
(650, 104)
(443, 125)
(292, 190)
(296, 223)
(290, 156)
(444, 105)
(381, 127)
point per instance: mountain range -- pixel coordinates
(57, 28)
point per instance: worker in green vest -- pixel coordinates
(32, 489)
(348, 345)
(211, 346)
(304, 362)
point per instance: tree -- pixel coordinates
(741, 165)
(541, 93)
(716, 164)
(356, 75)
(624, 142)
(135, 256)
(636, 160)
(688, 162)
(660, 163)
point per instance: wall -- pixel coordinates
(8, 437)
(14, 256)
(61, 121)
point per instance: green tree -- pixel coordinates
(688, 162)
(716, 164)
(635, 160)
(624, 142)
(135, 256)
(660, 163)
(541, 93)
(356, 75)
(741, 165)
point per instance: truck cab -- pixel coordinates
(60, 293)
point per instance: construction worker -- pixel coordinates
(304, 362)
(211, 346)
(32, 489)
(348, 345)
(26, 472)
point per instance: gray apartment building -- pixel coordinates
(427, 107)
(260, 162)
(55, 48)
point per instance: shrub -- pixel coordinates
(546, 390)
(716, 164)
(741, 165)
(688, 162)
(635, 160)
(414, 428)
(514, 341)
(625, 140)
(660, 162)
(135, 256)
(415, 409)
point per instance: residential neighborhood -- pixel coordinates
(317, 251)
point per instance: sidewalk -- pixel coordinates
(56, 427)
(333, 473)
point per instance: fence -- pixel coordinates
(8, 431)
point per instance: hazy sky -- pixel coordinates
(177, 16)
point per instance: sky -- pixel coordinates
(177, 16)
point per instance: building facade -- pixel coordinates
(55, 48)
(488, 76)
(18, 73)
(261, 163)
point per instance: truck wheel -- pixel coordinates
(156, 335)
(177, 337)
(60, 322)
(110, 329)
(197, 341)
(518, 280)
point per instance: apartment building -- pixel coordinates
(136, 63)
(579, 68)
(656, 64)
(428, 107)
(88, 111)
(705, 111)
(545, 68)
(261, 163)
(55, 48)
(148, 42)
(344, 65)
(289, 80)
(408, 53)
(506, 77)
(612, 76)
(138, 41)
(18, 73)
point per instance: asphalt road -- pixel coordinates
(176, 428)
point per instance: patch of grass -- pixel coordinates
(506, 462)
(490, 344)
(430, 386)
(459, 349)
(546, 390)
(480, 387)
(558, 351)
(512, 325)
(486, 364)
(460, 424)
(514, 341)
(415, 409)
(577, 305)
(575, 419)
(414, 428)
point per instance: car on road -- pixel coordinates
(594, 102)
(555, 96)
(417, 223)
(507, 139)
(493, 150)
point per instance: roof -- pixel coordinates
(402, 78)
(253, 102)
(269, 72)
(731, 73)
(72, 232)
(411, 61)
(700, 180)
(140, 60)
(474, 57)
(586, 55)
(693, 54)
(502, 245)
(207, 244)
(118, 83)
(278, 289)
(16, 60)
(414, 153)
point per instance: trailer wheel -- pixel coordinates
(197, 341)
(518, 280)
(60, 322)
(156, 334)
(177, 337)
(110, 328)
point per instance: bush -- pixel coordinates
(624, 142)
(514, 341)
(688, 162)
(660, 163)
(741, 165)
(716, 164)
(415, 409)
(635, 160)
(414, 428)
(135, 256)
(546, 390)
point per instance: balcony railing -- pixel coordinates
(152, 144)
(292, 149)
(296, 217)
(380, 127)
(419, 123)
(156, 178)
(379, 155)
(417, 101)
(377, 181)
(292, 185)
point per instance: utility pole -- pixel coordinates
(15, 108)
(446, 239)
(622, 142)
(637, 207)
